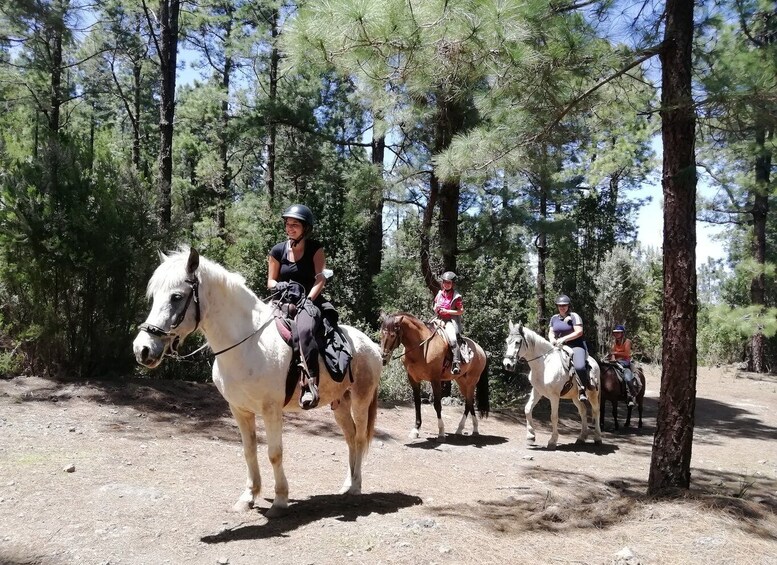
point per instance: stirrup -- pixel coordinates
(456, 368)
(309, 398)
(581, 396)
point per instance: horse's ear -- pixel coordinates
(162, 256)
(193, 261)
(511, 325)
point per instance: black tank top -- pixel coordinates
(302, 271)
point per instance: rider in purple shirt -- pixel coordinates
(566, 328)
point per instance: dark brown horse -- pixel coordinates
(613, 388)
(426, 359)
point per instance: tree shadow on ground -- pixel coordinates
(461, 440)
(570, 501)
(186, 408)
(729, 420)
(344, 508)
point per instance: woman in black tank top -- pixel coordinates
(301, 260)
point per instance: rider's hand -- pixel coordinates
(281, 286)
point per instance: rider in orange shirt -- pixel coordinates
(621, 354)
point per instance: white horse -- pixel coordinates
(252, 362)
(551, 376)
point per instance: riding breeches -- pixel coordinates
(451, 333)
(579, 360)
(308, 322)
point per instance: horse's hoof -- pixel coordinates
(275, 511)
(475, 433)
(579, 441)
(598, 442)
(551, 447)
(414, 433)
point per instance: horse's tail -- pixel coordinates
(372, 416)
(481, 392)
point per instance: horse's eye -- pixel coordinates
(176, 297)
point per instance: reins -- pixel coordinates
(416, 347)
(194, 294)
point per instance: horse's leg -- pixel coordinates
(416, 386)
(614, 403)
(534, 398)
(468, 392)
(246, 422)
(273, 427)
(437, 394)
(583, 411)
(639, 410)
(344, 418)
(595, 409)
(553, 422)
(627, 424)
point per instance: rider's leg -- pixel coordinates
(308, 320)
(631, 390)
(579, 358)
(450, 333)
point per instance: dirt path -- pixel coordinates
(158, 465)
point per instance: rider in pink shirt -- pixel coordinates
(449, 306)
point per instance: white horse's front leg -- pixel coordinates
(273, 425)
(246, 422)
(583, 411)
(534, 398)
(553, 422)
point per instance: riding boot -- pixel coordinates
(582, 385)
(309, 397)
(631, 393)
(456, 365)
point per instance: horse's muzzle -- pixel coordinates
(148, 350)
(508, 364)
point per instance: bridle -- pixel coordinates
(394, 328)
(194, 296)
(517, 355)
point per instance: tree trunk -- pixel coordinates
(760, 213)
(375, 234)
(426, 225)
(671, 458)
(168, 56)
(226, 173)
(272, 128)
(542, 256)
(135, 119)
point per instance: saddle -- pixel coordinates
(466, 353)
(593, 383)
(333, 346)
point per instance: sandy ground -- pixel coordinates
(155, 467)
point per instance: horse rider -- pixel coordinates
(620, 353)
(301, 259)
(449, 306)
(566, 328)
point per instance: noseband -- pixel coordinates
(194, 296)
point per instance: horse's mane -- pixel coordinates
(172, 272)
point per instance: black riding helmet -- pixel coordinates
(300, 212)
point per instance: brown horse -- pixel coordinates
(427, 358)
(614, 389)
